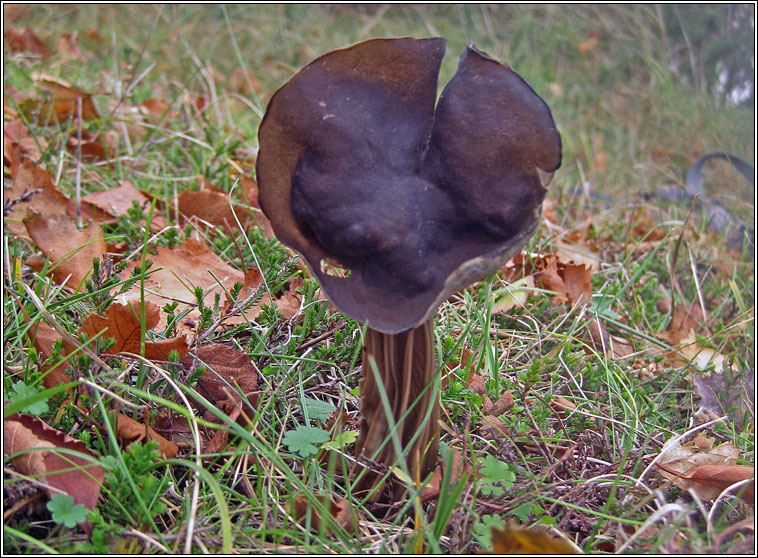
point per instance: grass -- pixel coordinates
(630, 125)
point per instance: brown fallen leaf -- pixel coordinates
(570, 281)
(92, 149)
(340, 511)
(493, 428)
(606, 344)
(289, 303)
(32, 190)
(79, 476)
(131, 431)
(62, 103)
(704, 468)
(25, 41)
(178, 272)
(69, 250)
(106, 205)
(460, 468)
(122, 322)
(228, 372)
(15, 133)
(212, 207)
(43, 338)
(531, 540)
(504, 404)
(464, 362)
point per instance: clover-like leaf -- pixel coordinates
(305, 440)
(65, 512)
(319, 410)
(23, 392)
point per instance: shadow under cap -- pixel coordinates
(355, 165)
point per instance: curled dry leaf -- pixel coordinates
(70, 250)
(131, 431)
(57, 472)
(43, 337)
(123, 323)
(571, 282)
(92, 149)
(340, 512)
(704, 468)
(504, 404)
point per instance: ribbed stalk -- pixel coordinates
(405, 362)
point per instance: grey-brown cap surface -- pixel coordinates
(357, 165)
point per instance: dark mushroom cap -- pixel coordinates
(356, 166)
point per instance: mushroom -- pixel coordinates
(396, 204)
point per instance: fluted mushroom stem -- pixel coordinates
(405, 363)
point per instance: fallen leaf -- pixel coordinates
(288, 305)
(69, 250)
(560, 405)
(460, 468)
(706, 470)
(129, 430)
(340, 511)
(32, 190)
(211, 207)
(63, 103)
(513, 295)
(178, 272)
(476, 384)
(15, 133)
(493, 428)
(552, 280)
(588, 45)
(728, 393)
(502, 405)
(106, 205)
(68, 48)
(92, 149)
(463, 363)
(607, 344)
(228, 373)
(25, 41)
(76, 475)
(577, 279)
(122, 322)
(531, 540)
(43, 338)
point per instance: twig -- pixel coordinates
(79, 162)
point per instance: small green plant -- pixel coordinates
(498, 477)
(121, 504)
(305, 440)
(22, 392)
(483, 529)
(65, 512)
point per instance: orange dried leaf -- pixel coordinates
(129, 430)
(76, 475)
(340, 512)
(122, 322)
